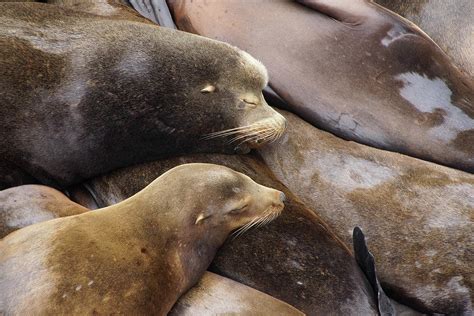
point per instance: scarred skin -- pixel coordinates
(136, 257)
(418, 217)
(447, 22)
(83, 94)
(296, 258)
(352, 68)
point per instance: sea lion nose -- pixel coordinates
(282, 197)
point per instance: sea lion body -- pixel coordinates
(216, 295)
(448, 23)
(296, 258)
(418, 216)
(136, 257)
(83, 94)
(352, 68)
(212, 294)
(29, 204)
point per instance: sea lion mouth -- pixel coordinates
(268, 215)
(253, 135)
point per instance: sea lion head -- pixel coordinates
(252, 121)
(218, 200)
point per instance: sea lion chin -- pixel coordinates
(83, 96)
(138, 256)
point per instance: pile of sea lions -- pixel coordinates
(138, 159)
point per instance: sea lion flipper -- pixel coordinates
(154, 10)
(344, 11)
(366, 262)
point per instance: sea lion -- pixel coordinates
(135, 257)
(81, 96)
(213, 293)
(116, 9)
(216, 295)
(29, 204)
(296, 258)
(447, 22)
(418, 216)
(352, 68)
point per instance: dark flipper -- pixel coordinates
(154, 10)
(367, 263)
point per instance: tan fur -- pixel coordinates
(136, 257)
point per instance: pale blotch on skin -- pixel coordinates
(395, 33)
(437, 96)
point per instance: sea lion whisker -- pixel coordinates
(256, 132)
(254, 135)
(231, 131)
(257, 137)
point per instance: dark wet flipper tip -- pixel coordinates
(366, 262)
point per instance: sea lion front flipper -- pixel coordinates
(349, 12)
(366, 262)
(154, 10)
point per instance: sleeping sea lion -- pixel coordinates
(83, 94)
(135, 257)
(296, 258)
(353, 68)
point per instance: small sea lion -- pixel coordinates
(296, 258)
(213, 294)
(352, 68)
(216, 295)
(418, 216)
(29, 204)
(447, 22)
(83, 94)
(135, 257)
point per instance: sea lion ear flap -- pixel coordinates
(208, 89)
(201, 217)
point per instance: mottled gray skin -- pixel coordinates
(133, 258)
(352, 68)
(418, 217)
(29, 204)
(447, 22)
(296, 258)
(83, 94)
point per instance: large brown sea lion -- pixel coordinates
(447, 22)
(353, 68)
(296, 258)
(83, 94)
(135, 257)
(418, 216)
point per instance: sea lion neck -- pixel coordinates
(188, 254)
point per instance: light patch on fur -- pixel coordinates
(428, 95)
(432, 292)
(25, 279)
(395, 33)
(449, 205)
(209, 88)
(250, 60)
(348, 173)
(135, 64)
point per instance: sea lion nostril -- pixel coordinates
(282, 197)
